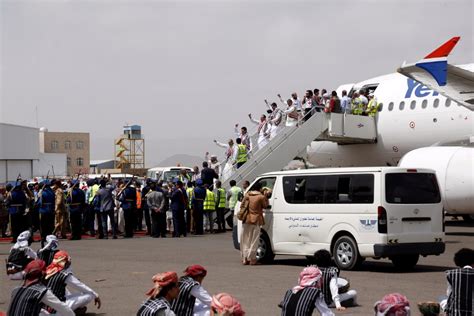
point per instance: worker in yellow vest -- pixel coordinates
(209, 208)
(221, 207)
(373, 106)
(241, 153)
(189, 209)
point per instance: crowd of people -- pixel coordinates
(50, 287)
(293, 112)
(106, 208)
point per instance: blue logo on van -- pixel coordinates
(420, 90)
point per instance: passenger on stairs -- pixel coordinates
(263, 130)
(244, 136)
(291, 114)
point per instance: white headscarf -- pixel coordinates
(51, 243)
(22, 240)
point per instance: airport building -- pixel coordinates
(76, 146)
(20, 155)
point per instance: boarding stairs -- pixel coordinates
(292, 141)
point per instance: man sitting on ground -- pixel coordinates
(460, 285)
(49, 250)
(303, 298)
(330, 282)
(20, 255)
(193, 299)
(161, 295)
(59, 276)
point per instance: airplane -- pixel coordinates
(420, 125)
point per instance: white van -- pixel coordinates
(167, 174)
(354, 213)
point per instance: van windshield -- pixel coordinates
(411, 188)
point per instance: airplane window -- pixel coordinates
(380, 107)
(402, 105)
(435, 103)
(390, 106)
(424, 104)
(448, 103)
(413, 104)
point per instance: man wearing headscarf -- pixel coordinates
(27, 300)
(193, 299)
(225, 305)
(394, 304)
(164, 291)
(49, 250)
(303, 298)
(59, 276)
(20, 255)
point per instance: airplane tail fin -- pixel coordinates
(436, 62)
(445, 49)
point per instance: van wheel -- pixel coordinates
(264, 251)
(345, 253)
(405, 263)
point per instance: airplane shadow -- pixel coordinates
(370, 266)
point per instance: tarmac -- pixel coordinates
(121, 270)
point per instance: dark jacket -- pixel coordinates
(106, 200)
(208, 175)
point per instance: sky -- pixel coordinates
(188, 71)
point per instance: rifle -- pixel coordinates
(125, 186)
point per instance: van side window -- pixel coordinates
(267, 183)
(330, 189)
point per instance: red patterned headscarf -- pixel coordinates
(195, 271)
(61, 261)
(309, 277)
(34, 271)
(224, 304)
(161, 280)
(394, 304)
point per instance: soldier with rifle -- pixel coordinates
(76, 200)
(128, 199)
(16, 204)
(45, 203)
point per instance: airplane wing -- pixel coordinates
(450, 81)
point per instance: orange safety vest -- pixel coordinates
(139, 200)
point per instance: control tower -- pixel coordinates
(130, 151)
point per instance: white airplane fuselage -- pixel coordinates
(412, 117)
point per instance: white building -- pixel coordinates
(20, 155)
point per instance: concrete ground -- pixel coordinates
(121, 270)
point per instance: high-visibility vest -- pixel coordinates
(190, 193)
(235, 190)
(139, 200)
(93, 192)
(241, 153)
(221, 202)
(372, 107)
(209, 201)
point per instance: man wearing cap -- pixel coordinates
(16, 204)
(49, 250)
(45, 204)
(193, 299)
(59, 210)
(28, 299)
(76, 201)
(178, 205)
(199, 195)
(59, 276)
(304, 297)
(128, 199)
(164, 291)
(155, 201)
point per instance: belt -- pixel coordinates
(75, 204)
(130, 200)
(16, 205)
(47, 203)
(199, 199)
